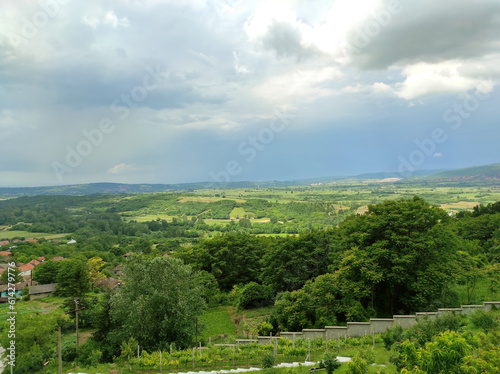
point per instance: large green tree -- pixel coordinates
(400, 253)
(157, 303)
(73, 278)
(46, 272)
(232, 259)
(397, 257)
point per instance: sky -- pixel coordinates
(164, 91)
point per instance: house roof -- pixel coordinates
(4, 242)
(58, 258)
(41, 259)
(34, 262)
(18, 286)
(43, 288)
(26, 267)
(5, 253)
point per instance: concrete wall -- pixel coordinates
(431, 315)
(405, 321)
(266, 340)
(245, 341)
(358, 329)
(442, 311)
(313, 334)
(469, 309)
(488, 305)
(376, 325)
(293, 336)
(335, 332)
(380, 325)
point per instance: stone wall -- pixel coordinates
(376, 325)
(313, 334)
(380, 325)
(335, 332)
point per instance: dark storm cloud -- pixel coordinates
(285, 40)
(428, 31)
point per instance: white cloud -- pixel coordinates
(445, 78)
(120, 168)
(110, 19)
(437, 154)
(306, 85)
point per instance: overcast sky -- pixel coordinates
(159, 91)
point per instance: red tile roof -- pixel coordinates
(26, 267)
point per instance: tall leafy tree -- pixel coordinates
(46, 272)
(407, 253)
(73, 278)
(158, 302)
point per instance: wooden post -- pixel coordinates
(200, 349)
(233, 354)
(196, 331)
(76, 320)
(59, 351)
(308, 349)
(161, 371)
(193, 356)
(209, 341)
(77, 301)
(170, 352)
(137, 351)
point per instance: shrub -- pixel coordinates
(357, 366)
(268, 360)
(253, 295)
(482, 320)
(392, 335)
(69, 351)
(330, 362)
(367, 354)
(88, 354)
(265, 328)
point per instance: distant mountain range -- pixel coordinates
(476, 173)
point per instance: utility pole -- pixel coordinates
(77, 309)
(59, 351)
(196, 331)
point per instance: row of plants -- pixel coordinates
(221, 356)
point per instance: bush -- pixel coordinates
(253, 295)
(357, 366)
(265, 328)
(367, 354)
(69, 351)
(268, 360)
(482, 320)
(88, 354)
(392, 335)
(330, 362)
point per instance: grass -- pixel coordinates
(27, 308)
(217, 324)
(237, 213)
(26, 234)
